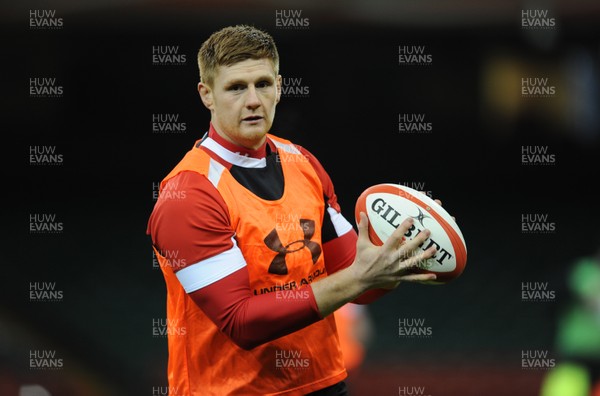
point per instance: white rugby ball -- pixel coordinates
(388, 205)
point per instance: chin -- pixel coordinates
(252, 138)
(254, 133)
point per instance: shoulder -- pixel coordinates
(189, 197)
(324, 178)
(176, 190)
(291, 147)
(190, 218)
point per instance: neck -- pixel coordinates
(223, 140)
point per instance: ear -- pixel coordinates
(206, 95)
(278, 85)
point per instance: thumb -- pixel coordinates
(363, 227)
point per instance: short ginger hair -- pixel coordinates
(235, 44)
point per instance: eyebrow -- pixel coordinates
(263, 77)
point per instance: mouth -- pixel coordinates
(254, 118)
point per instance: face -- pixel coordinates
(242, 100)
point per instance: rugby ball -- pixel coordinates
(388, 205)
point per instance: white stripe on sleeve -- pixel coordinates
(340, 223)
(205, 272)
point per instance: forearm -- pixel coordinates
(374, 267)
(251, 320)
(339, 254)
(337, 289)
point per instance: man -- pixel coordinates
(264, 255)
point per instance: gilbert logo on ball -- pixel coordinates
(388, 205)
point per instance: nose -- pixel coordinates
(252, 101)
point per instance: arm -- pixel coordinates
(374, 267)
(338, 236)
(216, 277)
(195, 228)
(251, 320)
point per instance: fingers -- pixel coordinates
(436, 200)
(418, 278)
(413, 258)
(407, 253)
(439, 203)
(397, 236)
(401, 255)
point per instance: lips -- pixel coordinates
(252, 118)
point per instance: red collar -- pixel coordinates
(259, 153)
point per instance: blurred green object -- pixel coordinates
(566, 379)
(578, 331)
(584, 279)
(579, 334)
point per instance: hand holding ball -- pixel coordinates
(387, 205)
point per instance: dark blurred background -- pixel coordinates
(102, 331)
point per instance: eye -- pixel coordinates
(236, 87)
(264, 84)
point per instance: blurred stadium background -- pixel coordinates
(345, 62)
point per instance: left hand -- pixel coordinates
(439, 203)
(418, 278)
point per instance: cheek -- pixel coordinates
(227, 109)
(270, 100)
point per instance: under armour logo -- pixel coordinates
(278, 265)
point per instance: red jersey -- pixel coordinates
(211, 217)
